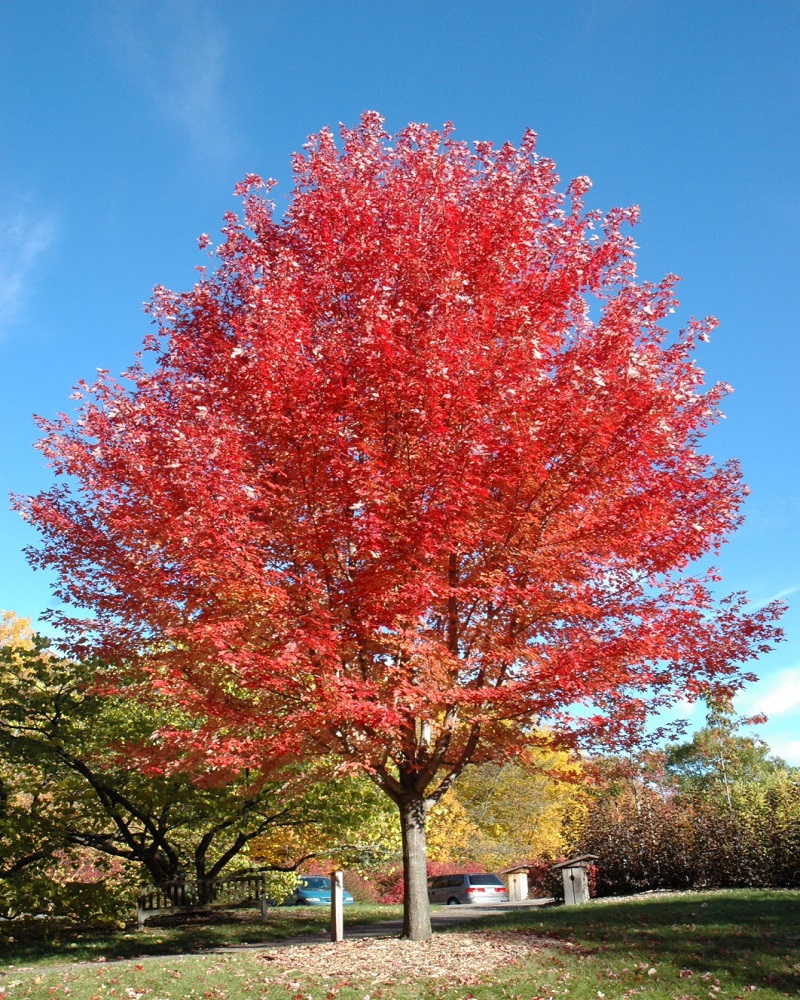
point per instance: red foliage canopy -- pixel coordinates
(414, 468)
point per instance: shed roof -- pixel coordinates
(582, 859)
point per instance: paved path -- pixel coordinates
(442, 918)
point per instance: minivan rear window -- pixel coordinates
(485, 880)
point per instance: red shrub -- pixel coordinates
(363, 890)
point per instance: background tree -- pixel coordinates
(70, 779)
(26, 829)
(28, 838)
(715, 811)
(523, 812)
(414, 471)
(746, 800)
(41, 871)
(352, 826)
(720, 755)
(450, 833)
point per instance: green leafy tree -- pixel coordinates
(721, 759)
(74, 777)
(743, 795)
(356, 829)
(28, 840)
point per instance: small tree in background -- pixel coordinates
(413, 472)
(82, 789)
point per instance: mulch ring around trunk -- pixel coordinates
(461, 958)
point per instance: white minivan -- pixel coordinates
(466, 888)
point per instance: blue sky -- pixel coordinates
(124, 127)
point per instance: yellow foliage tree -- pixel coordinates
(15, 633)
(352, 828)
(451, 831)
(520, 812)
(287, 846)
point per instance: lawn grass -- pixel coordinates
(727, 945)
(42, 942)
(743, 943)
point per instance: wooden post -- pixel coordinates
(337, 906)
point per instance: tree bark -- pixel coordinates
(416, 911)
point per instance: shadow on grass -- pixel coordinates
(747, 936)
(35, 941)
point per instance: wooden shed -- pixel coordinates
(575, 873)
(517, 878)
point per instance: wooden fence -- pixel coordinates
(202, 895)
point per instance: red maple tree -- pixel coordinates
(413, 473)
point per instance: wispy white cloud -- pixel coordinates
(785, 593)
(24, 239)
(777, 695)
(780, 596)
(786, 749)
(176, 54)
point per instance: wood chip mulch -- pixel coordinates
(461, 958)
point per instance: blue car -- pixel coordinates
(315, 890)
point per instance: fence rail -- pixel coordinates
(204, 894)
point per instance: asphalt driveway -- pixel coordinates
(442, 917)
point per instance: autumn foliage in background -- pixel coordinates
(84, 823)
(716, 811)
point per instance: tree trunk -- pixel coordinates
(416, 911)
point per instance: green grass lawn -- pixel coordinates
(40, 942)
(727, 945)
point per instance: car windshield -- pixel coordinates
(485, 880)
(315, 883)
